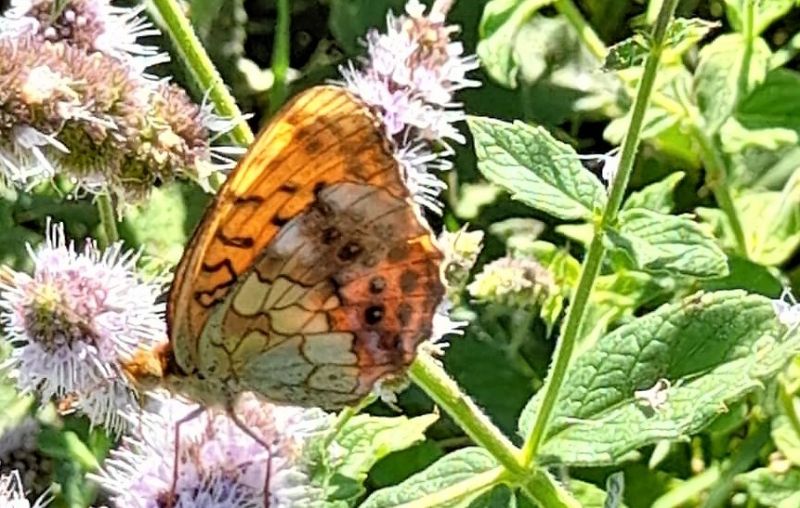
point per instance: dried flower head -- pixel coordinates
(20, 455)
(89, 117)
(219, 464)
(75, 319)
(461, 250)
(512, 281)
(409, 77)
(88, 25)
(12, 494)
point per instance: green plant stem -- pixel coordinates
(202, 69)
(545, 490)
(717, 181)
(108, 219)
(587, 35)
(280, 57)
(594, 256)
(344, 416)
(429, 375)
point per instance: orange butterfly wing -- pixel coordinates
(310, 275)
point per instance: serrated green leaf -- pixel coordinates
(774, 103)
(366, 439)
(682, 34)
(668, 244)
(363, 441)
(765, 12)
(781, 211)
(500, 23)
(657, 196)
(456, 467)
(786, 439)
(712, 348)
(631, 52)
(536, 169)
(721, 82)
(779, 490)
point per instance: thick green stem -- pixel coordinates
(432, 378)
(429, 375)
(202, 69)
(587, 34)
(108, 219)
(280, 57)
(594, 256)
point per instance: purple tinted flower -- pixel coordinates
(409, 77)
(75, 319)
(89, 25)
(219, 464)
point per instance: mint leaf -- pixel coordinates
(660, 243)
(712, 349)
(363, 441)
(773, 489)
(766, 11)
(682, 34)
(657, 196)
(536, 169)
(500, 24)
(720, 80)
(456, 467)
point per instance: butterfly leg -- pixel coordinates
(170, 502)
(258, 439)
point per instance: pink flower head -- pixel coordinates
(219, 464)
(409, 77)
(74, 319)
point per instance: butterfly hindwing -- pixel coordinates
(311, 274)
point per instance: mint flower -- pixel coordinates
(409, 77)
(89, 25)
(75, 319)
(219, 465)
(512, 281)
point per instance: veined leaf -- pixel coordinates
(536, 169)
(660, 243)
(773, 489)
(460, 466)
(656, 196)
(500, 23)
(664, 376)
(721, 82)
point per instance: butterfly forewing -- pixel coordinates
(311, 275)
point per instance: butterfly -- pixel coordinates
(312, 275)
